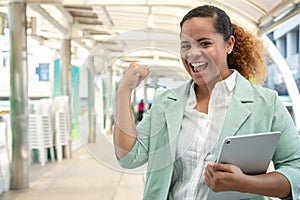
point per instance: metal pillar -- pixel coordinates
(19, 95)
(66, 84)
(91, 101)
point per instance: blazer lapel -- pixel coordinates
(175, 104)
(237, 112)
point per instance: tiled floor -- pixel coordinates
(82, 177)
(91, 174)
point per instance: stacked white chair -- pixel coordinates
(61, 133)
(61, 116)
(47, 135)
(44, 109)
(36, 137)
(40, 131)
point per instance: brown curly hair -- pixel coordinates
(248, 53)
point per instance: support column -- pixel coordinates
(91, 101)
(146, 85)
(281, 46)
(18, 95)
(155, 82)
(66, 84)
(133, 105)
(1, 25)
(291, 45)
(108, 104)
(99, 106)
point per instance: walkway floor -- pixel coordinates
(82, 177)
(91, 174)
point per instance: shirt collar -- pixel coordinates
(229, 82)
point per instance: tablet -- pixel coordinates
(251, 153)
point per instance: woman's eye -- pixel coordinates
(185, 46)
(205, 44)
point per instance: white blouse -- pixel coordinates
(198, 136)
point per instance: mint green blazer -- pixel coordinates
(253, 109)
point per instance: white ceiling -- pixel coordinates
(149, 27)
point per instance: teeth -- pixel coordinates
(197, 64)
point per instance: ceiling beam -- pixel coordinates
(108, 15)
(273, 25)
(49, 18)
(255, 6)
(65, 13)
(276, 11)
(44, 1)
(56, 24)
(82, 44)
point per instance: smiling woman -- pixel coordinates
(181, 134)
(88, 23)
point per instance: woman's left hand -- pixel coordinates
(223, 177)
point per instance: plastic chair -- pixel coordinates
(61, 133)
(40, 136)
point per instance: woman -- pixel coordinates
(180, 136)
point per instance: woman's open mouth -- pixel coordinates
(198, 66)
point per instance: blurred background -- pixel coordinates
(61, 62)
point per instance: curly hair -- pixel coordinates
(248, 53)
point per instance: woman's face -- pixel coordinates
(204, 51)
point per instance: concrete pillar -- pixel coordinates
(19, 95)
(65, 67)
(99, 106)
(66, 84)
(146, 93)
(91, 101)
(281, 45)
(291, 44)
(1, 25)
(108, 104)
(155, 82)
(134, 103)
(33, 25)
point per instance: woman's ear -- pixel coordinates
(230, 45)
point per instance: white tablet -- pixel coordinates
(251, 153)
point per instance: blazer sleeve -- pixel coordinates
(287, 155)
(138, 155)
(153, 121)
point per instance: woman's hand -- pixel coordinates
(223, 177)
(135, 74)
(226, 177)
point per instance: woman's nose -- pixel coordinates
(194, 52)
